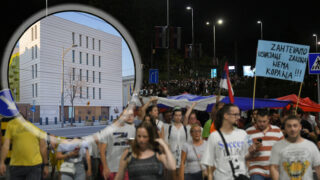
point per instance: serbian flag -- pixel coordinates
(225, 82)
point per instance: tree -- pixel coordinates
(73, 89)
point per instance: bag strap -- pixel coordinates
(195, 152)
(227, 150)
(170, 127)
(186, 131)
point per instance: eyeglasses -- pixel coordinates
(196, 131)
(235, 114)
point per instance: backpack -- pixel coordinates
(185, 130)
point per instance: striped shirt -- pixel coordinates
(260, 163)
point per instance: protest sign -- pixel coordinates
(281, 60)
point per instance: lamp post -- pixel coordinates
(318, 85)
(193, 48)
(315, 35)
(64, 52)
(219, 22)
(260, 22)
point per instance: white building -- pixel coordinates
(128, 87)
(93, 68)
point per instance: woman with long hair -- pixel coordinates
(150, 108)
(148, 118)
(191, 154)
(148, 156)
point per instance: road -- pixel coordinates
(76, 131)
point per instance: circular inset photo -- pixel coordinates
(71, 72)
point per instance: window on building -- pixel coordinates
(93, 76)
(73, 73)
(87, 42)
(87, 59)
(35, 32)
(87, 75)
(80, 75)
(32, 53)
(99, 93)
(32, 34)
(93, 43)
(73, 41)
(74, 91)
(36, 70)
(80, 92)
(36, 51)
(99, 45)
(93, 60)
(32, 67)
(33, 90)
(93, 93)
(99, 61)
(99, 77)
(36, 90)
(73, 56)
(80, 57)
(80, 40)
(87, 92)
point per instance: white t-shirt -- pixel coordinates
(177, 139)
(159, 124)
(194, 154)
(117, 142)
(295, 160)
(215, 154)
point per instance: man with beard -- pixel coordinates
(264, 135)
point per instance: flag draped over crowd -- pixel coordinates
(205, 103)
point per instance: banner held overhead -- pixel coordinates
(281, 60)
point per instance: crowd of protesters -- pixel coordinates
(147, 142)
(199, 86)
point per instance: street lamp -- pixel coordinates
(318, 85)
(219, 22)
(260, 22)
(315, 35)
(64, 52)
(192, 52)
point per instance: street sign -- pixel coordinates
(153, 76)
(8, 107)
(314, 63)
(213, 73)
(33, 108)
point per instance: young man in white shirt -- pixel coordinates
(113, 144)
(239, 145)
(294, 157)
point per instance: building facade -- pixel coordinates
(128, 88)
(92, 70)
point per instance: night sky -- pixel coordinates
(292, 22)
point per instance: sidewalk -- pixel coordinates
(53, 126)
